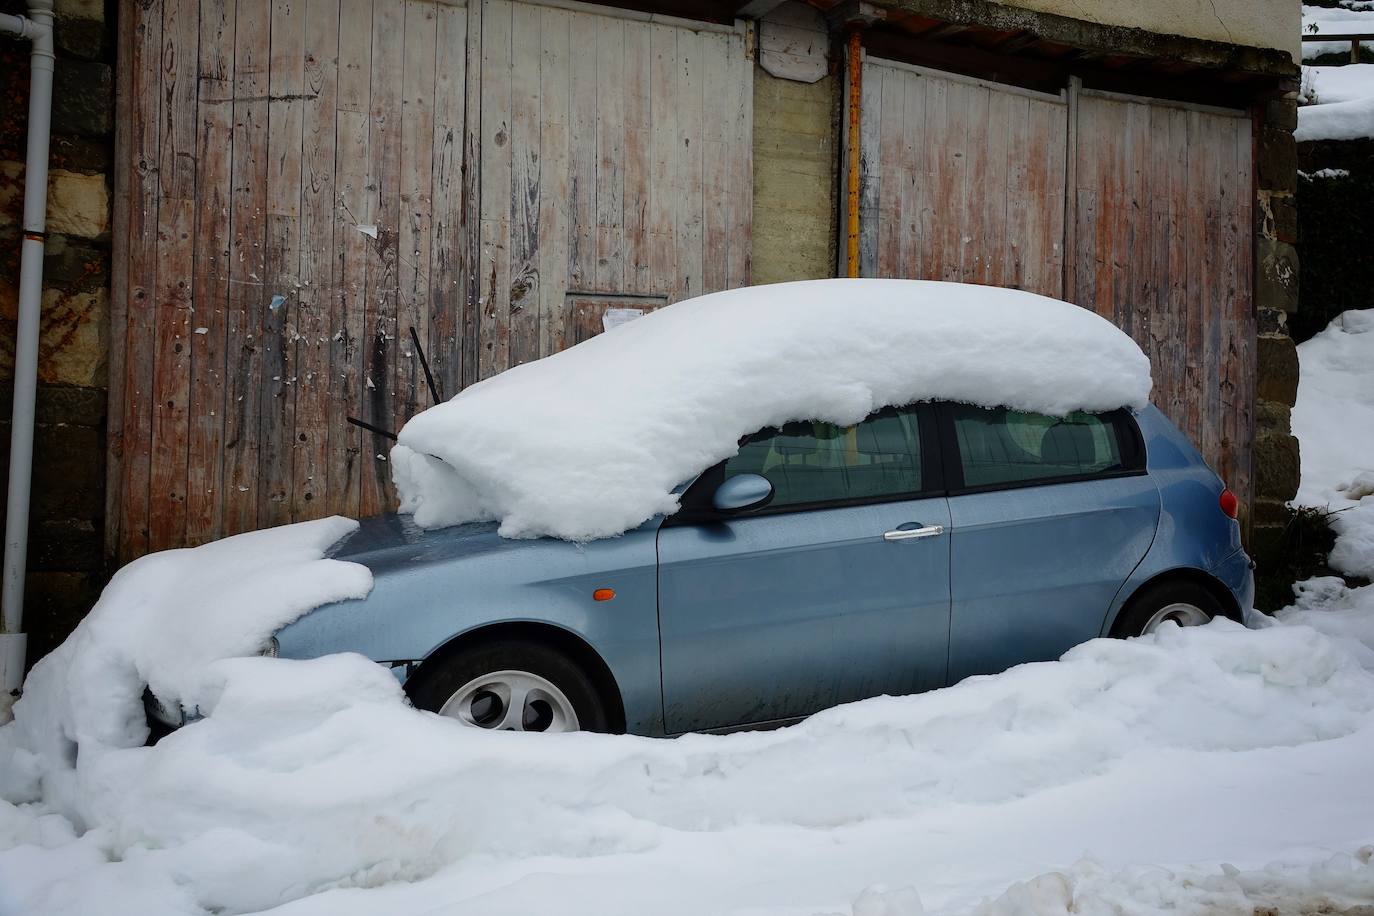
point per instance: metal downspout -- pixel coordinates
(37, 28)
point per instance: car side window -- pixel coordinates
(1008, 447)
(814, 462)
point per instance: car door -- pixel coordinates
(836, 590)
(1049, 517)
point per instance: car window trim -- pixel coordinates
(1129, 443)
(696, 508)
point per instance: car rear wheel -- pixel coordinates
(1179, 602)
(510, 686)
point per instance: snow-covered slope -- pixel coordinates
(592, 441)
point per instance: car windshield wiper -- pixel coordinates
(429, 381)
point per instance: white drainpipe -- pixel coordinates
(37, 28)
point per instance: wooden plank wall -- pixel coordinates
(1163, 248)
(616, 159)
(303, 181)
(960, 181)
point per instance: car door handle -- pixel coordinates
(908, 534)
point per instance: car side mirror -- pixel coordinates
(744, 491)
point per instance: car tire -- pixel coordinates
(1183, 602)
(475, 684)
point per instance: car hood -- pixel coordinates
(391, 540)
(393, 543)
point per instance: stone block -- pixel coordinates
(68, 404)
(1277, 160)
(55, 602)
(75, 265)
(90, 10)
(1271, 321)
(83, 98)
(81, 154)
(78, 204)
(1284, 209)
(1281, 114)
(73, 339)
(1273, 417)
(68, 471)
(81, 38)
(1276, 275)
(74, 342)
(65, 544)
(1277, 363)
(1277, 459)
(1269, 513)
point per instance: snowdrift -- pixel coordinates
(592, 441)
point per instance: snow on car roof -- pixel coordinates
(591, 442)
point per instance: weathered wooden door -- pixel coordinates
(300, 184)
(960, 180)
(1162, 246)
(1137, 208)
(616, 165)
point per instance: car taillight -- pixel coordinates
(1229, 504)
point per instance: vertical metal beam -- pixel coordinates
(854, 57)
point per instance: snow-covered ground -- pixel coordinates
(1136, 772)
(1212, 770)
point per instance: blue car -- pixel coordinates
(819, 565)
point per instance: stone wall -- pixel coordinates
(66, 565)
(1276, 454)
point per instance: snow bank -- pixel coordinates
(1334, 414)
(311, 787)
(592, 441)
(1334, 422)
(1342, 103)
(165, 621)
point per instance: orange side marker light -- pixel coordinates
(603, 594)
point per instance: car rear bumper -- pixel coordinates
(1237, 573)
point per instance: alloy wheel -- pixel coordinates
(512, 701)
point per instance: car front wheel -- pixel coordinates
(510, 686)
(1179, 602)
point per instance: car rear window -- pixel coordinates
(1006, 447)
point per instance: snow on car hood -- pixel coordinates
(167, 621)
(591, 442)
